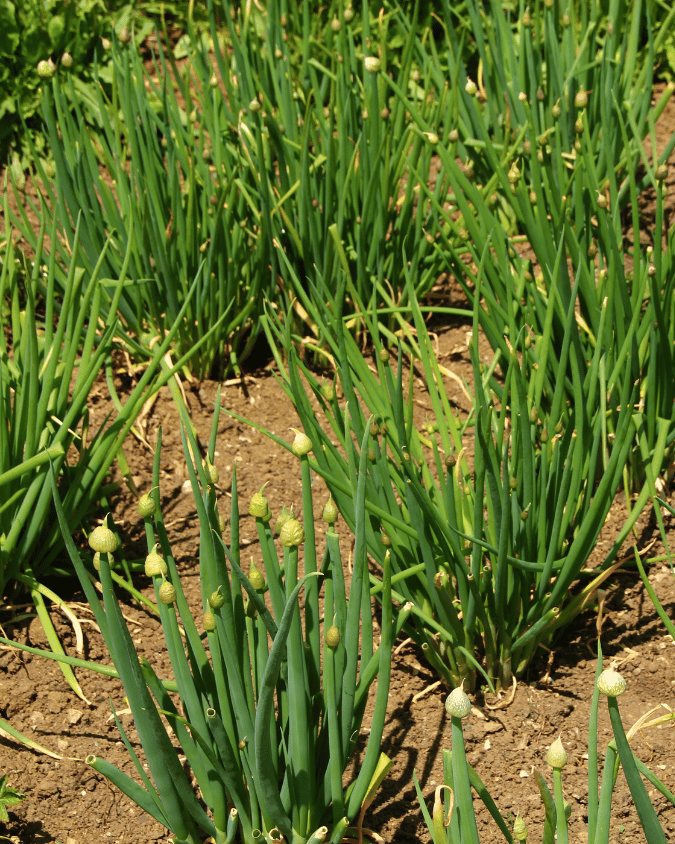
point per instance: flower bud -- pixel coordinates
(97, 560)
(103, 539)
(167, 593)
(328, 392)
(581, 99)
(211, 472)
(209, 622)
(67, 60)
(259, 506)
(302, 444)
(257, 579)
(457, 703)
(372, 63)
(471, 88)
(348, 14)
(336, 24)
(519, 829)
(332, 637)
(124, 36)
(254, 106)
(292, 533)
(330, 512)
(661, 172)
(155, 566)
(556, 111)
(146, 506)
(46, 69)
(611, 683)
(557, 755)
(217, 599)
(282, 518)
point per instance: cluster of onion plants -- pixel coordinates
(328, 145)
(486, 545)
(230, 170)
(152, 175)
(452, 819)
(543, 162)
(268, 692)
(51, 352)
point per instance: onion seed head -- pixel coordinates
(257, 579)
(581, 99)
(103, 539)
(46, 69)
(146, 506)
(611, 683)
(292, 533)
(211, 472)
(457, 703)
(520, 829)
(155, 566)
(258, 506)
(217, 599)
(557, 755)
(332, 637)
(330, 512)
(302, 444)
(167, 593)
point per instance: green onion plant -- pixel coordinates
(543, 164)
(452, 819)
(328, 144)
(269, 692)
(231, 170)
(154, 175)
(52, 350)
(488, 518)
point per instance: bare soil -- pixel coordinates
(68, 802)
